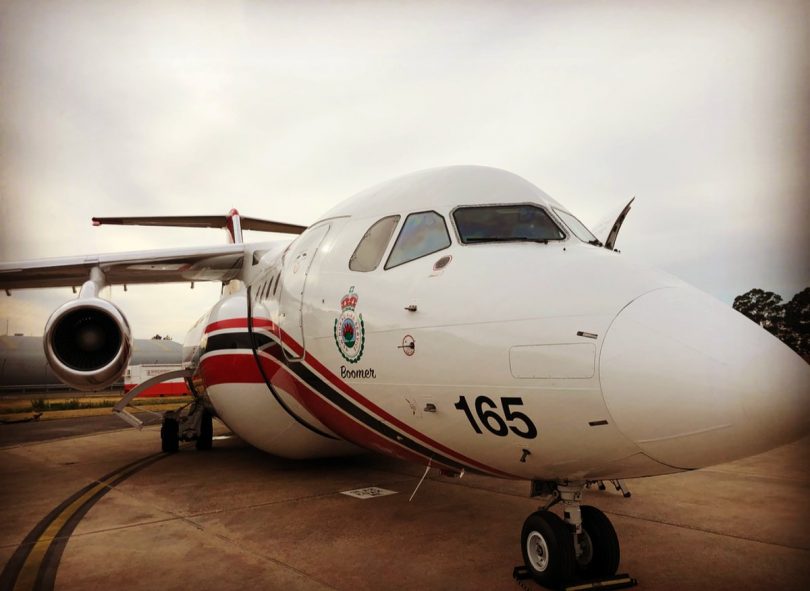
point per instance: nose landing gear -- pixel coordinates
(582, 548)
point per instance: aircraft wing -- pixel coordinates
(217, 263)
(203, 221)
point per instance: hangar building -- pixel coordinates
(23, 365)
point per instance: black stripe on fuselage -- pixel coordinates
(326, 390)
(227, 341)
(237, 340)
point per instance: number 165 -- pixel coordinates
(493, 421)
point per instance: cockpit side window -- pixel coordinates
(422, 234)
(577, 228)
(505, 223)
(370, 250)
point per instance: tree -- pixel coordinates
(763, 307)
(797, 322)
(790, 322)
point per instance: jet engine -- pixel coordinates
(88, 343)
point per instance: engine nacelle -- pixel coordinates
(88, 343)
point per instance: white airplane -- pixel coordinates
(461, 319)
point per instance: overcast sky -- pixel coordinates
(282, 109)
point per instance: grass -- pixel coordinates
(43, 405)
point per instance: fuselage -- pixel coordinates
(546, 359)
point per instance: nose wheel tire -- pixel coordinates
(548, 548)
(170, 435)
(599, 543)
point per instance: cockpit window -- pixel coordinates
(578, 228)
(422, 234)
(370, 250)
(505, 223)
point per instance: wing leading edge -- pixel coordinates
(217, 263)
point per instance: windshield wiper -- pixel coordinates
(595, 242)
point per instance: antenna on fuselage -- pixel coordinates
(421, 480)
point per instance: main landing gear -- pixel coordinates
(580, 547)
(190, 423)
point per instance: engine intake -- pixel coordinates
(88, 343)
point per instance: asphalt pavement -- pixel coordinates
(30, 431)
(231, 518)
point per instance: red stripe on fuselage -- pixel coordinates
(230, 368)
(317, 366)
(238, 323)
(344, 425)
(241, 368)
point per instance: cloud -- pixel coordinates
(283, 109)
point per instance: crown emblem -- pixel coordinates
(349, 330)
(349, 301)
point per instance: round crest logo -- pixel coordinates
(350, 335)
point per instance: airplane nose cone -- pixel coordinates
(695, 383)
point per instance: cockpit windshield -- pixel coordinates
(577, 227)
(505, 223)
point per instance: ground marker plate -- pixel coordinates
(368, 493)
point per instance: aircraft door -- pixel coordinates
(297, 263)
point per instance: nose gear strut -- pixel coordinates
(581, 548)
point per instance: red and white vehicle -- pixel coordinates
(137, 374)
(459, 318)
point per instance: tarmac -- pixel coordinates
(102, 509)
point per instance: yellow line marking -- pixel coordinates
(28, 573)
